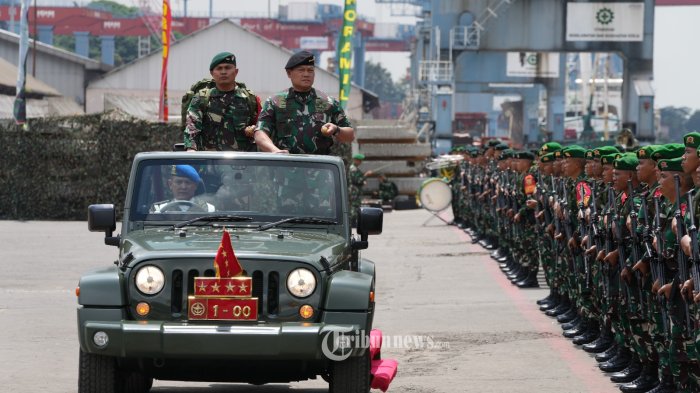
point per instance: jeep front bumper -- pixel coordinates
(158, 339)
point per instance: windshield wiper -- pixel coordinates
(212, 218)
(298, 220)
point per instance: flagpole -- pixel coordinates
(34, 43)
(19, 110)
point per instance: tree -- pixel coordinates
(117, 10)
(675, 119)
(693, 123)
(378, 80)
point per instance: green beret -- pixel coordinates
(474, 153)
(626, 162)
(501, 146)
(222, 58)
(300, 58)
(608, 159)
(524, 155)
(604, 151)
(574, 151)
(549, 147)
(358, 156)
(558, 155)
(589, 154)
(186, 171)
(668, 151)
(506, 154)
(672, 164)
(692, 139)
(645, 152)
(549, 157)
(493, 143)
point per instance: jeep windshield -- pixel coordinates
(251, 192)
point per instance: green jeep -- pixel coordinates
(311, 303)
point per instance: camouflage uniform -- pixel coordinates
(357, 182)
(293, 120)
(387, 191)
(216, 120)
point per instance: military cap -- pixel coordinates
(501, 146)
(608, 159)
(475, 152)
(589, 154)
(574, 151)
(550, 147)
(493, 143)
(506, 154)
(549, 157)
(605, 150)
(222, 58)
(300, 58)
(524, 155)
(668, 151)
(645, 152)
(558, 155)
(358, 156)
(626, 162)
(692, 139)
(671, 164)
(186, 171)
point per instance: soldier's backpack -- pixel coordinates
(203, 88)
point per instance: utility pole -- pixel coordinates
(35, 37)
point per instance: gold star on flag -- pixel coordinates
(224, 253)
(215, 287)
(243, 287)
(202, 287)
(229, 287)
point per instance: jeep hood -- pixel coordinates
(298, 245)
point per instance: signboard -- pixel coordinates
(532, 64)
(605, 22)
(313, 43)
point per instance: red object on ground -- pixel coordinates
(383, 372)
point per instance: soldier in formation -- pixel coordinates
(615, 235)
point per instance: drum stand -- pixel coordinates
(435, 214)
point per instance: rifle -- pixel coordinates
(681, 257)
(582, 233)
(694, 254)
(659, 265)
(634, 220)
(621, 257)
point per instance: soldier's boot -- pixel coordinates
(507, 263)
(499, 252)
(630, 373)
(589, 335)
(530, 281)
(552, 303)
(493, 243)
(476, 237)
(563, 307)
(618, 362)
(484, 242)
(665, 385)
(567, 316)
(515, 272)
(577, 330)
(602, 343)
(607, 354)
(573, 323)
(647, 380)
(552, 293)
(522, 274)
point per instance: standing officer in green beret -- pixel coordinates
(222, 117)
(302, 119)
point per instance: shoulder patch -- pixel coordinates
(529, 184)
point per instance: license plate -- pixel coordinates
(222, 309)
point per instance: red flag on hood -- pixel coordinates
(226, 264)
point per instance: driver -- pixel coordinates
(183, 184)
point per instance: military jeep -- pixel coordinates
(311, 297)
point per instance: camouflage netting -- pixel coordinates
(59, 166)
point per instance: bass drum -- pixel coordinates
(435, 195)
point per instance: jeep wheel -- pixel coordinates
(99, 374)
(351, 375)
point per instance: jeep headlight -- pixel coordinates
(301, 282)
(150, 280)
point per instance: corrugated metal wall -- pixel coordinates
(261, 65)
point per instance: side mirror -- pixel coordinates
(369, 222)
(103, 218)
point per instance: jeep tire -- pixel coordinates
(351, 375)
(99, 374)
